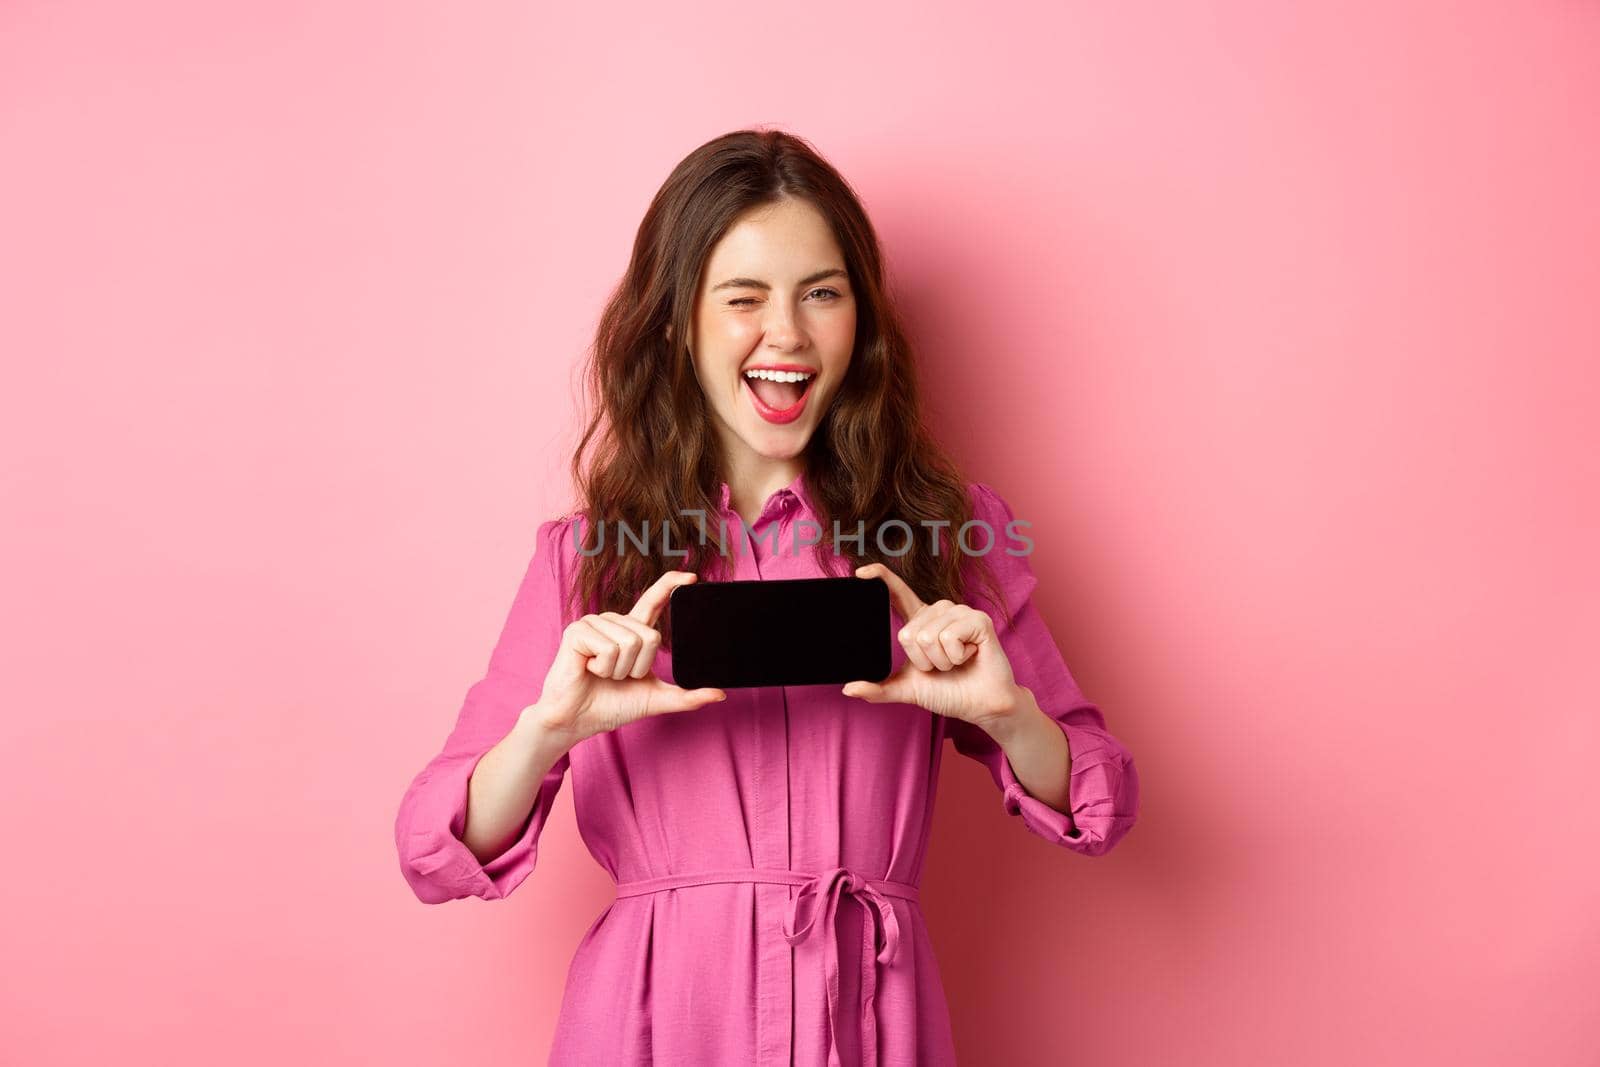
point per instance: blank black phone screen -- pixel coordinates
(794, 631)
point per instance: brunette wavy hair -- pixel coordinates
(654, 452)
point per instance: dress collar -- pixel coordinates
(795, 489)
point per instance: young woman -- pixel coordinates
(767, 843)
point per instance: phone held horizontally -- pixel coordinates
(795, 631)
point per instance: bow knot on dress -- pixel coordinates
(819, 899)
(827, 888)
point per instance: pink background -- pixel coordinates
(1284, 321)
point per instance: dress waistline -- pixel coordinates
(819, 899)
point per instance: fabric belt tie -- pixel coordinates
(819, 899)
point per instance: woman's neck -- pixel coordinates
(753, 482)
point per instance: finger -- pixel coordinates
(649, 643)
(959, 634)
(896, 689)
(666, 698)
(647, 609)
(628, 642)
(906, 602)
(925, 631)
(952, 628)
(914, 650)
(598, 650)
(920, 637)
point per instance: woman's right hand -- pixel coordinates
(601, 677)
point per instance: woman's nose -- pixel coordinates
(784, 330)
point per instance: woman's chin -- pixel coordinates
(792, 445)
(778, 442)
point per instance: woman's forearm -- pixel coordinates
(505, 785)
(1037, 749)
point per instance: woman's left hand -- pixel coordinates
(955, 665)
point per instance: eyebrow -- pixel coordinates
(754, 283)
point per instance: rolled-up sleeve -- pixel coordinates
(435, 861)
(1103, 790)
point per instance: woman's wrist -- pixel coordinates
(1014, 713)
(539, 737)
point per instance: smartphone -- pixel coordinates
(791, 631)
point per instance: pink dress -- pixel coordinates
(767, 848)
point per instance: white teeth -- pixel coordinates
(778, 375)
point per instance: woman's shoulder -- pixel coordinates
(1004, 546)
(561, 523)
(988, 505)
(556, 559)
(560, 535)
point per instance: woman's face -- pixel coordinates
(774, 294)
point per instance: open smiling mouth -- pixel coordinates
(778, 396)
